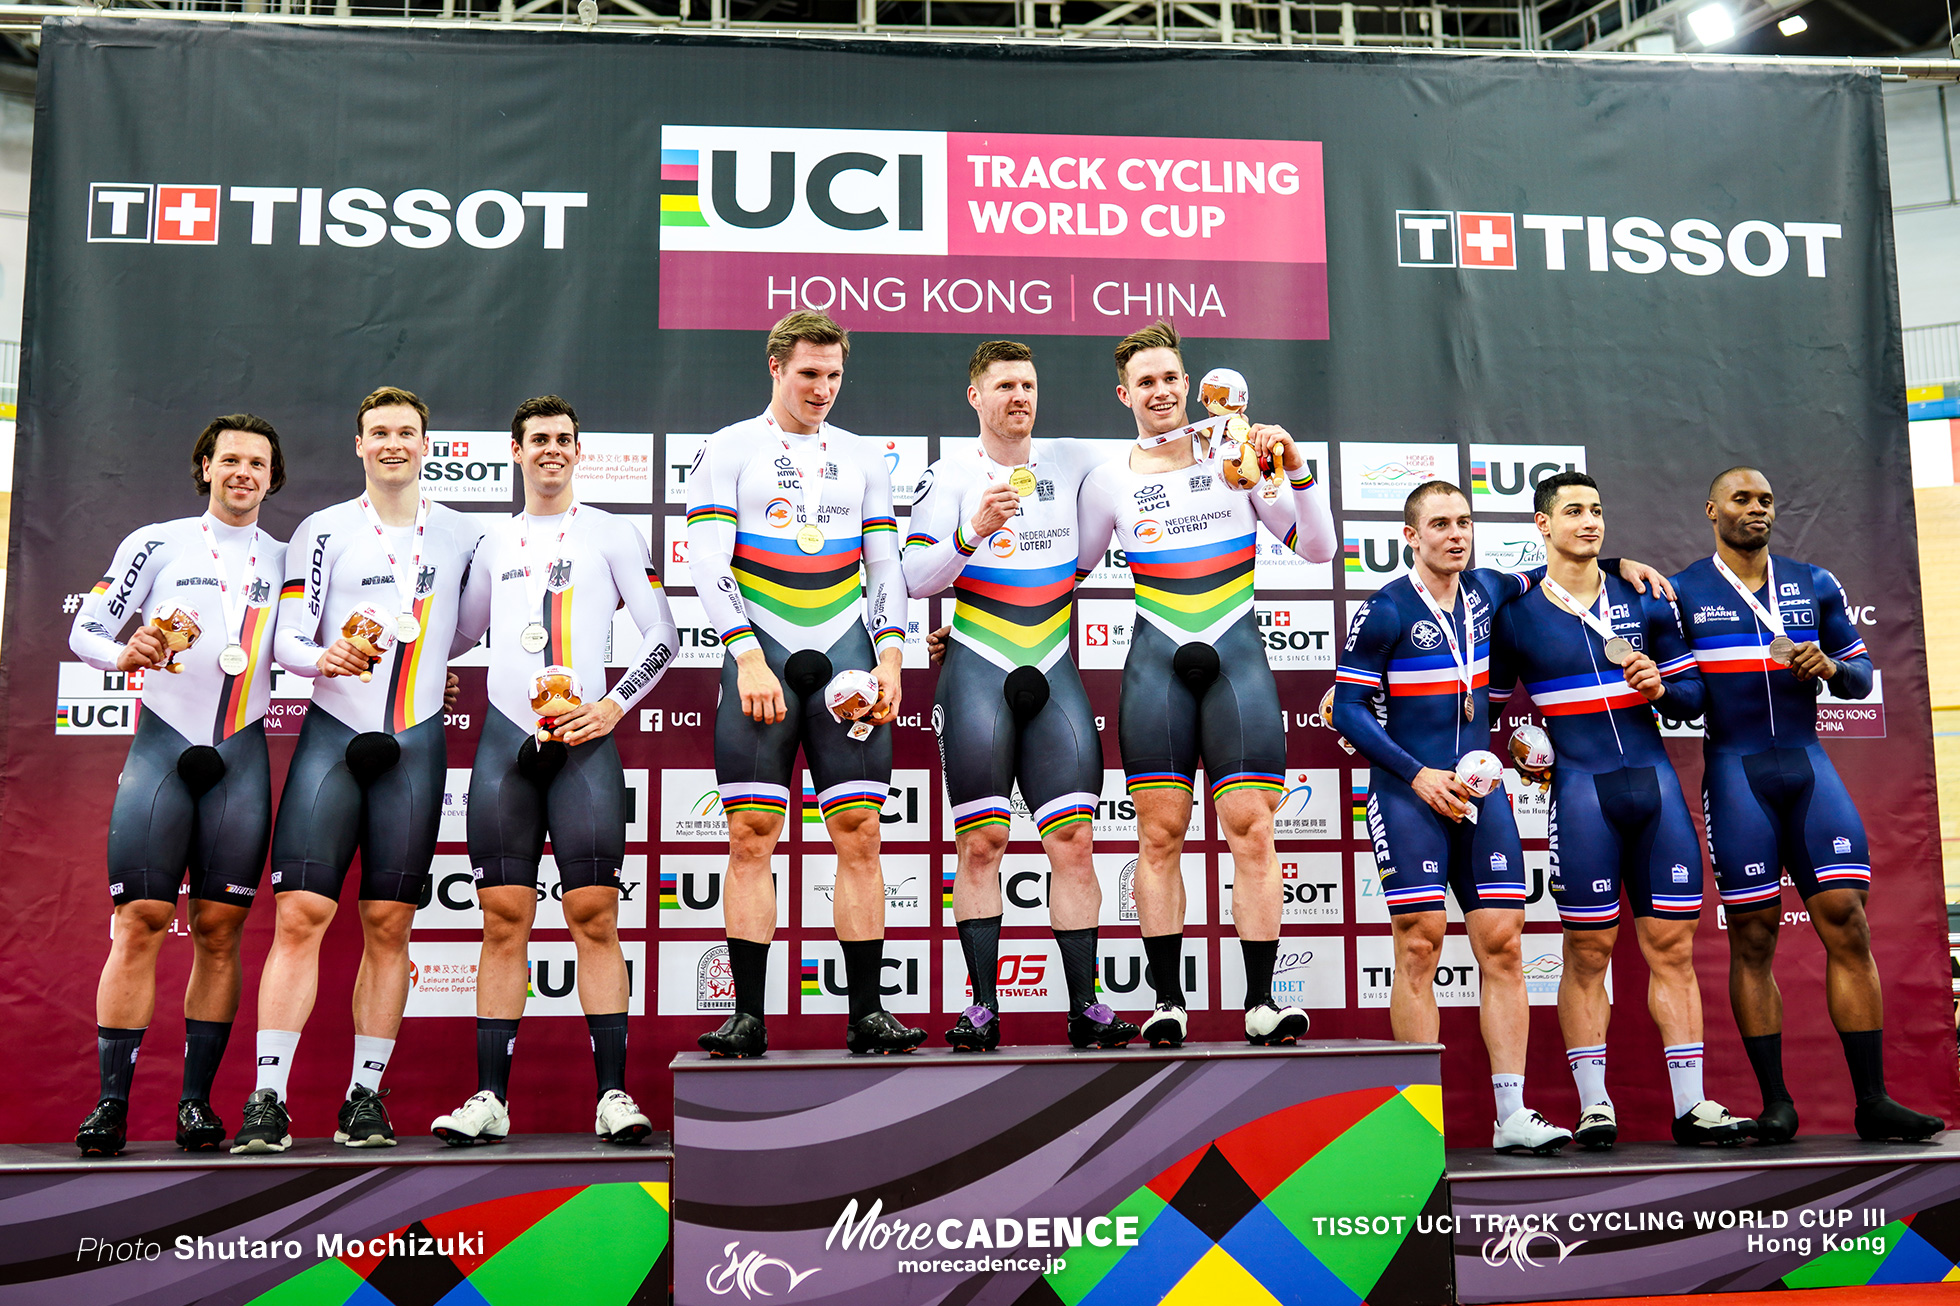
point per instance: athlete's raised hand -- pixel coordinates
(762, 693)
(997, 506)
(1640, 576)
(1275, 445)
(588, 721)
(146, 649)
(1808, 662)
(887, 672)
(1644, 676)
(1442, 791)
(345, 658)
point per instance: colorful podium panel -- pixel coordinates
(1212, 1173)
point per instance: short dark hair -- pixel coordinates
(250, 424)
(1727, 472)
(1548, 489)
(996, 351)
(806, 325)
(1158, 335)
(1411, 504)
(541, 406)
(389, 396)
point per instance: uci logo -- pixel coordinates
(803, 189)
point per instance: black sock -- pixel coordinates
(1766, 1057)
(204, 1048)
(1864, 1052)
(1165, 955)
(1078, 966)
(980, 941)
(749, 963)
(864, 975)
(496, 1043)
(1259, 957)
(608, 1050)
(116, 1050)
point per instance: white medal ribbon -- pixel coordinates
(1448, 623)
(234, 612)
(1772, 619)
(404, 580)
(806, 470)
(1596, 622)
(536, 578)
(1211, 428)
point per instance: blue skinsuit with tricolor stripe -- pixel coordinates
(1617, 813)
(1398, 698)
(1772, 799)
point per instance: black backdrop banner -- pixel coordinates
(1666, 270)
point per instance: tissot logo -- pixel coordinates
(354, 216)
(1697, 247)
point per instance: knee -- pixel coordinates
(1843, 926)
(215, 939)
(1159, 838)
(859, 825)
(1752, 938)
(1587, 954)
(1418, 946)
(983, 847)
(387, 935)
(504, 927)
(1503, 956)
(1671, 950)
(300, 922)
(1244, 816)
(144, 923)
(753, 834)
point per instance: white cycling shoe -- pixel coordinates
(482, 1119)
(1527, 1131)
(619, 1119)
(1598, 1128)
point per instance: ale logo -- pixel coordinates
(714, 980)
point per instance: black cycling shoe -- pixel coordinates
(106, 1131)
(364, 1121)
(1098, 1027)
(266, 1127)
(1881, 1118)
(978, 1030)
(198, 1126)
(881, 1033)
(741, 1035)
(1776, 1122)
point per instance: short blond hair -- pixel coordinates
(388, 396)
(806, 325)
(1158, 335)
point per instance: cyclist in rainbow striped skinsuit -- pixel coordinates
(1196, 682)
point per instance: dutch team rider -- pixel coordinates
(369, 766)
(545, 584)
(1759, 626)
(196, 791)
(997, 524)
(1594, 653)
(1196, 684)
(782, 511)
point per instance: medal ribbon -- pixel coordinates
(404, 581)
(1448, 623)
(806, 471)
(1773, 620)
(1211, 428)
(535, 578)
(234, 614)
(1597, 624)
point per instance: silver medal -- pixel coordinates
(233, 660)
(1618, 651)
(533, 638)
(1781, 650)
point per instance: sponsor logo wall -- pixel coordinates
(643, 297)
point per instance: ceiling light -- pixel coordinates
(1794, 25)
(1712, 24)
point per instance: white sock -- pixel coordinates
(1589, 1073)
(1510, 1095)
(370, 1062)
(1684, 1075)
(276, 1048)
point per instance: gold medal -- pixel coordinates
(1021, 481)
(233, 660)
(809, 538)
(407, 628)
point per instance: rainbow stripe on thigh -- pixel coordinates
(1069, 809)
(991, 810)
(746, 797)
(1143, 780)
(1272, 782)
(853, 795)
